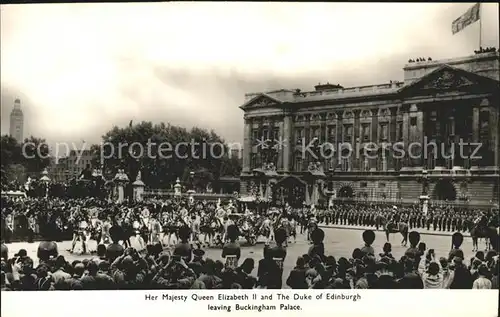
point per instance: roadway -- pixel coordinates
(339, 242)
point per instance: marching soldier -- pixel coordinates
(429, 221)
(435, 221)
(9, 228)
(31, 228)
(454, 222)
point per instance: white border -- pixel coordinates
(401, 303)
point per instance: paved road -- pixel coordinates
(338, 242)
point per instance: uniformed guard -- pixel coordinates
(114, 250)
(412, 251)
(456, 242)
(183, 248)
(4, 252)
(31, 228)
(368, 238)
(198, 255)
(231, 250)
(9, 223)
(318, 248)
(46, 251)
(277, 254)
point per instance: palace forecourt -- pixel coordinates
(443, 102)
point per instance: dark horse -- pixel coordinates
(395, 227)
(484, 228)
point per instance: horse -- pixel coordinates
(171, 227)
(312, 224)
(401, 227)
(211, 227)
(486, 229)
(247, 230)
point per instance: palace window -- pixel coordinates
(452, 126)
(365, 131)
(253, 160)
(298, 164)
(382, 161)
(484, 124)
(399, 131)
(381, 185)
(331, 163)
(348, 133)
(265, 134)
(384, 131)
(331, 134)
(413, 121)
(299, 135)
(345, 166)
(276, 133)
(363, 184)
(255, 136)
(315, 134)
(365, 163)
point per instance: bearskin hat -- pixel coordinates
(414, 238)
(457, 239)
(232, 232)
(317, 236)
(113, 251)
(368, 236)
(184, 233)
(115, 233)
(5, 252)
(280, 235)
(46, 250)
(198, 252)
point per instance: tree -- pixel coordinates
(11, 152)
(11, 160)
(162, 152)
(230, 167)
(35, 153)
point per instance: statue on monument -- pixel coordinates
(86, 174)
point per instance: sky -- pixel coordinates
(79, 69)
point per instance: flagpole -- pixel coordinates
(480, 25)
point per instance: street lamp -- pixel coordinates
(45, 179)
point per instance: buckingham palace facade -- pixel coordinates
(435, 134)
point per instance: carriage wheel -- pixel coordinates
(252, 241)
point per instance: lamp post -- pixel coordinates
(191, 190)
(424, 198)
(45, 179)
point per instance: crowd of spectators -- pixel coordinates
(114, 267)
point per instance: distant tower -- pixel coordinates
(17, 121)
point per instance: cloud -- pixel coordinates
(81, 68)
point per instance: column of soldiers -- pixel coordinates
(437, 219)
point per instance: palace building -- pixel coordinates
(434, 134)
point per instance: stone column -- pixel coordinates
(406, 128)
(415, 133)
(247, 146)
(475, 130)
(494, 134)
(475, 124)
(281, 148)
(289, 144)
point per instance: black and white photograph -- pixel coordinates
(263, 146)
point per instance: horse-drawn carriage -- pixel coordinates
(246, 227)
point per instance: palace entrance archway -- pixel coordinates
(290, 190)
(444, 190)
(346, 192)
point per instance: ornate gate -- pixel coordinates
(290, 190)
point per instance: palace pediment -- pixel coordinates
(261, 101)
(448, 79)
